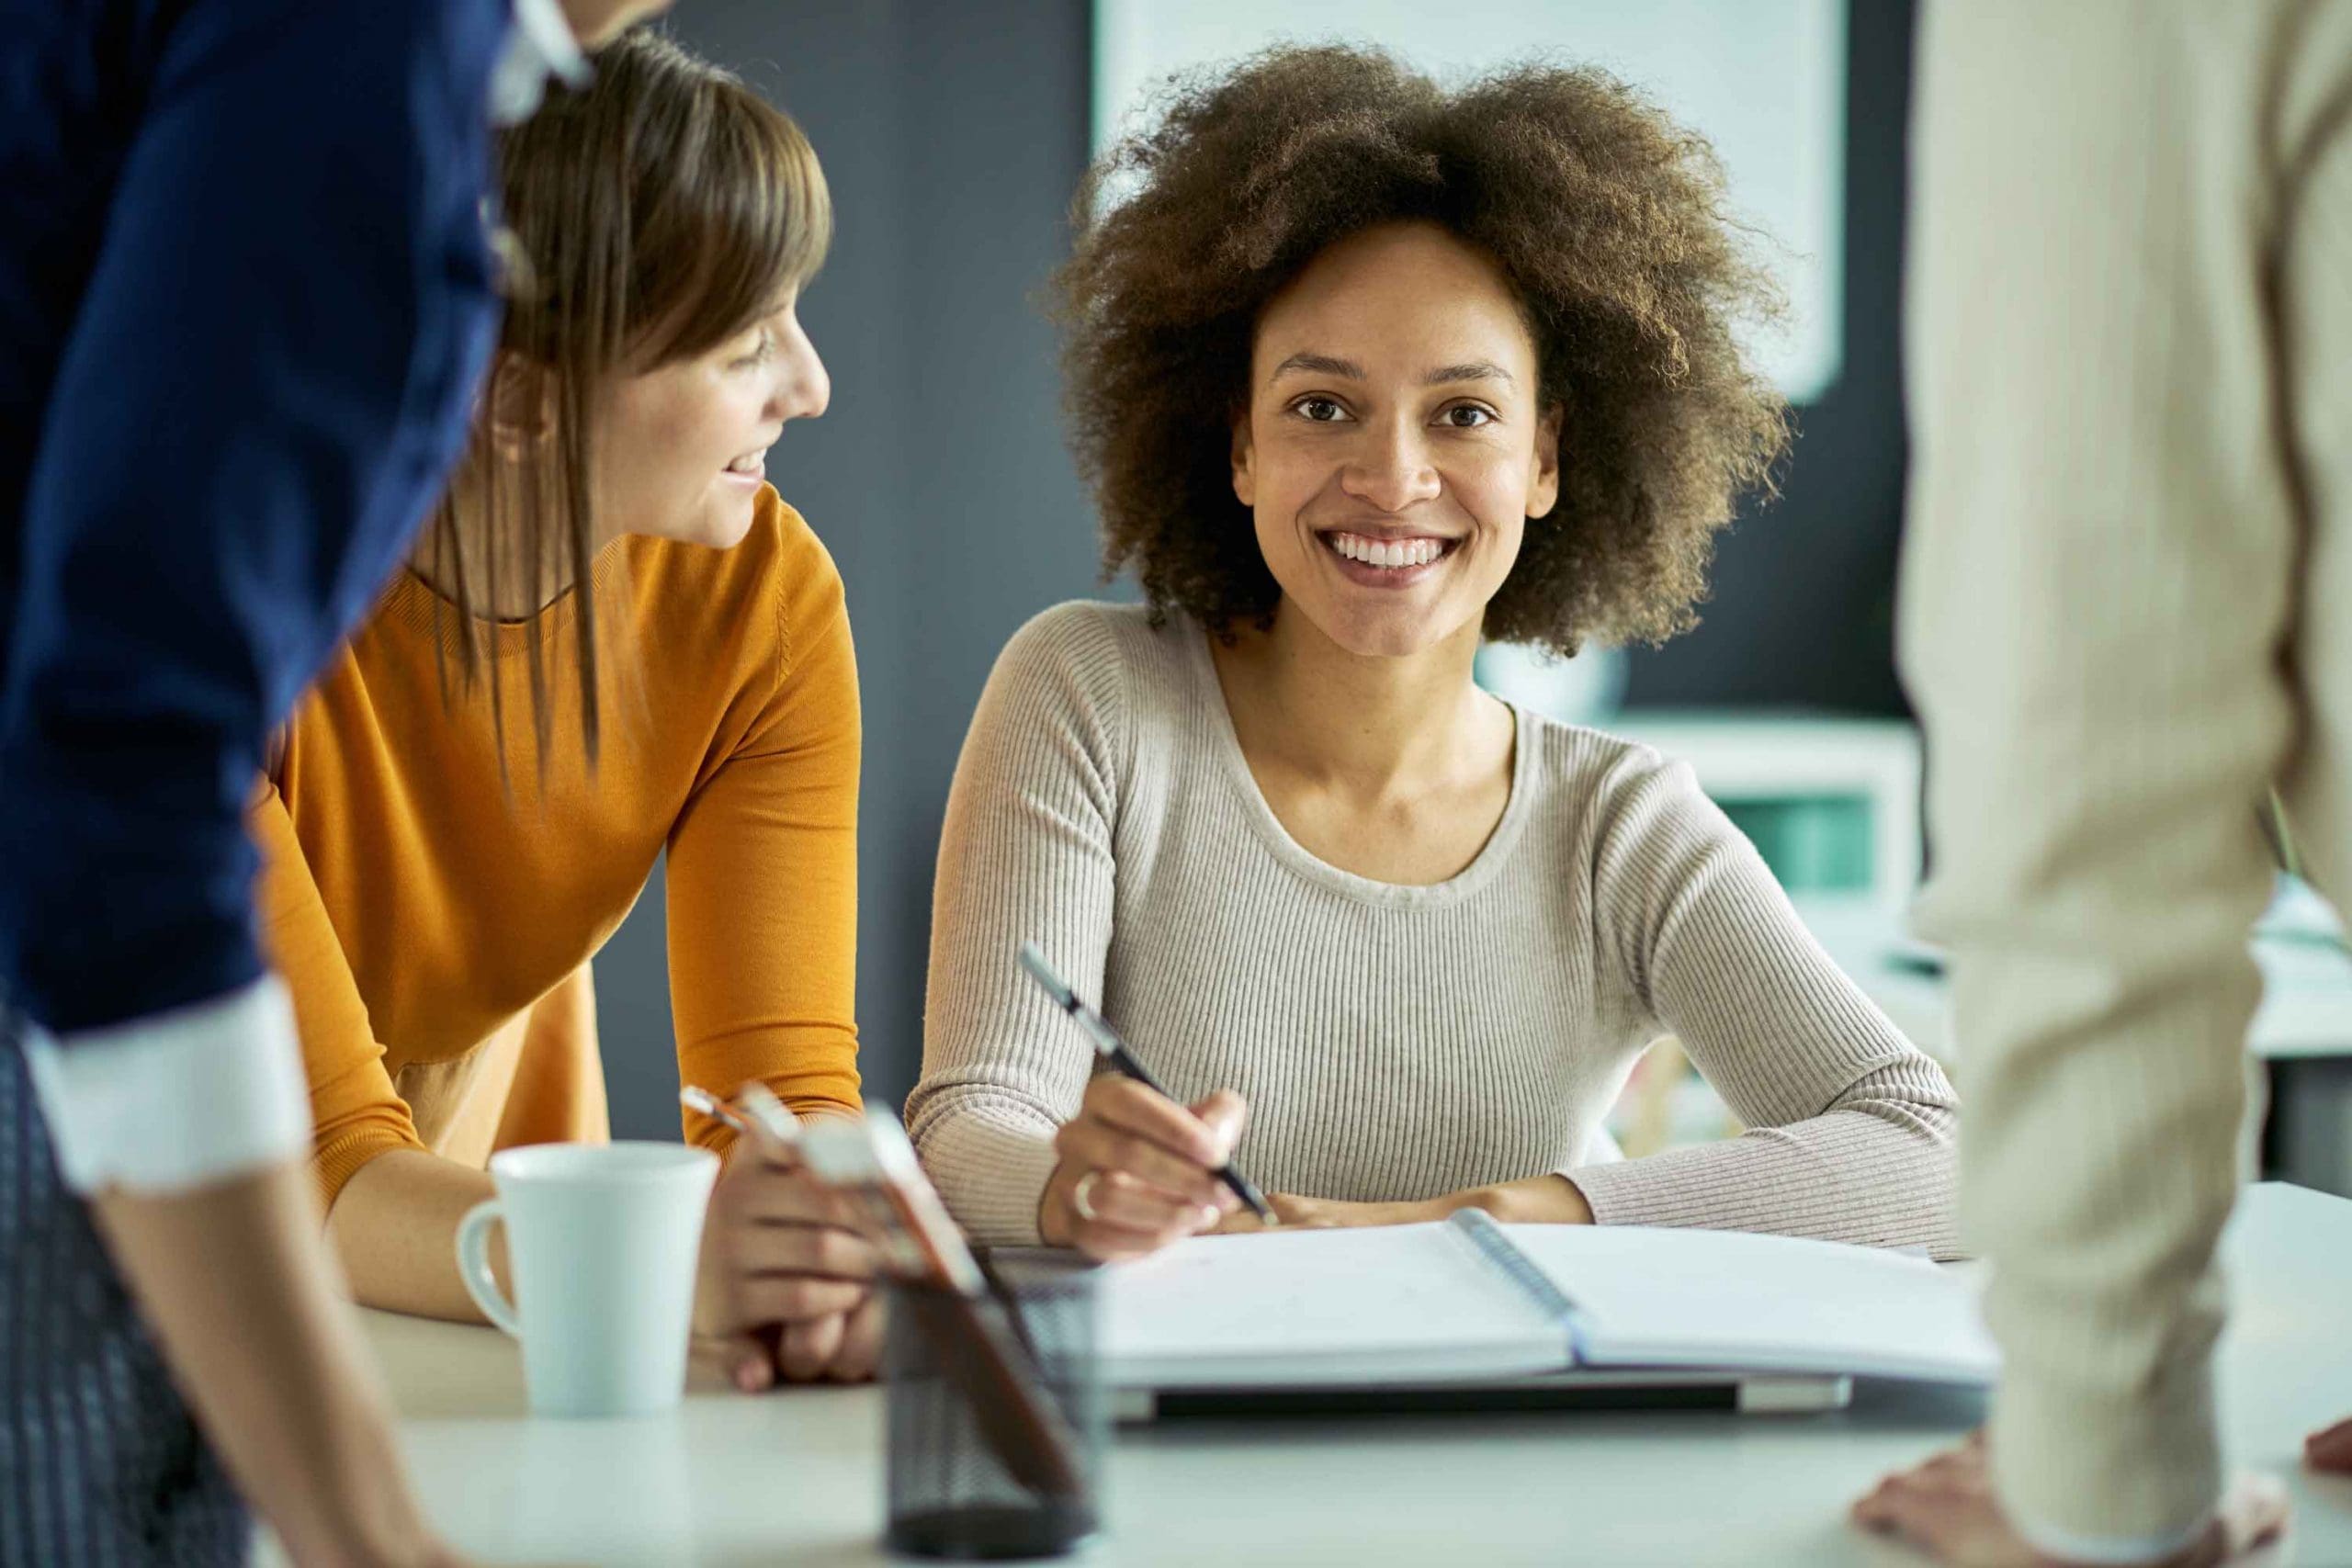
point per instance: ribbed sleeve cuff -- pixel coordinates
(2081, 1470)
(1626, 1193)
(2107, 1552)
(992, 1175)
(1719, 1186)
(339, 1159)
(1845, 1177)
(181, 1100)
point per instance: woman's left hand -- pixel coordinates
(785, 1287)
(1541, 1199)
(1327, 1214)
(840, 1347)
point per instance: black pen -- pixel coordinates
(1115, 1051)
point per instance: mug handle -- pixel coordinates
(473, 1266)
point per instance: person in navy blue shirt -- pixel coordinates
(246, 295)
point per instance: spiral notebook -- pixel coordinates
(1470, 1298)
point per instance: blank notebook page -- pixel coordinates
(1691, 1298)
(1321, 1306)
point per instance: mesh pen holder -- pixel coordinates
(967, 1481)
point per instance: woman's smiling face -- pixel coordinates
(1392, 448)
(681, 449)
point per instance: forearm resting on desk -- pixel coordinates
(1538, 1201)
(1535, 1201)
(241, 1295)
(394, 1225)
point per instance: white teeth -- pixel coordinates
(1387, 553)
(750, 463)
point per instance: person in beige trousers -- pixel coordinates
(2127, 613)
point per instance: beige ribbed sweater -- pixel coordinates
(1393, 1042)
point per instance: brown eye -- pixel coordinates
(1319, 410)
(1467, 416)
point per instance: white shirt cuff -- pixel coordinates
(2107, 1551)
(540, 45)
(176, 1100)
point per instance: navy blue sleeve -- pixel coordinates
(266, 378)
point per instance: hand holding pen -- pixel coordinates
(785, 1287)
(1138, 1170)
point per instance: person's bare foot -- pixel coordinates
(1945, 1508)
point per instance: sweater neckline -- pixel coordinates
(421, 608)
(1208, 692)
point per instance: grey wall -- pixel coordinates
(953, 132)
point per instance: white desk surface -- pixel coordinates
(2306, 993)
(795, 1477)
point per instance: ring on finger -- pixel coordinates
(1082, 1197)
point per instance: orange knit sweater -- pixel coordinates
(434, 920)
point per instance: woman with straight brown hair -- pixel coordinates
(439, 873)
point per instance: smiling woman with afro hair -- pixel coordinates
(1363, 371)
(1605, 217)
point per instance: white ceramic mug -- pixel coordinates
(601, 1239)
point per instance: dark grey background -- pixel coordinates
(953, 133)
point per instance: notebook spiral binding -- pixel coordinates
(1478, 1228)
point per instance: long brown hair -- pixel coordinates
(649, 215)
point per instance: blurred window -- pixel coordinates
(1764, 80)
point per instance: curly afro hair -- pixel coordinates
(1606, 216)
